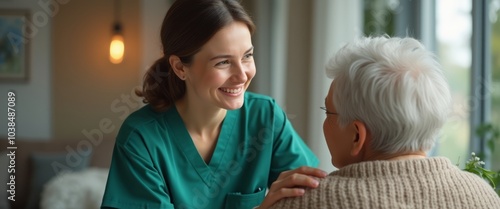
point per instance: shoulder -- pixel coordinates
(313, 197)
(259, 103)
(140, 121)
(465, 176)
(262, 107)
(143, 115)
(254, 99)
(475, 185)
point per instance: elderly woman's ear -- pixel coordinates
(360, 139)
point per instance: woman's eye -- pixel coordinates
(225, 62)
(247, 56)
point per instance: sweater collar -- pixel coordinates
(395, 167)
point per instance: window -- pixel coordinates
(379, 17)
(454, 53)
(494, 16)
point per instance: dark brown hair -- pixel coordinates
(188, 25)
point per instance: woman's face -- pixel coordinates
(222, 70)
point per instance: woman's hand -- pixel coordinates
(290, 184)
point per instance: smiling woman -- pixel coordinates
(221, 71)
(203, 141)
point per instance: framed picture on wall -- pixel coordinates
(14, 45)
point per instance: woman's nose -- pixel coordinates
(239, 73)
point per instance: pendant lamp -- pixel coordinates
(117, 46)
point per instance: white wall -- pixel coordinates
(153, 13)
(91, 96)
(33, 98)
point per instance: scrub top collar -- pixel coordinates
(222, 150)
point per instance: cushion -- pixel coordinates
(4, 178)
(75, 190)
(46, 166)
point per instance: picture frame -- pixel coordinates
(14, 45)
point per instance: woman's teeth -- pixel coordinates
(232, 91)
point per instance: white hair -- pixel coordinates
(396, 87)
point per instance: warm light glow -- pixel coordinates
(116, 49)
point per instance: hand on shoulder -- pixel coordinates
(291, 184)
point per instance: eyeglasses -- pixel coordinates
(327, 112)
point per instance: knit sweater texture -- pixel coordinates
(403, 184)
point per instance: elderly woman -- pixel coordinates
(384, 110)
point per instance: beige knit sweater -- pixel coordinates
(421, 183)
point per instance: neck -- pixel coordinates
(199, 119)
(408, 156)
(399, 156)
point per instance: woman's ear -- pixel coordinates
(177, 66)
(360, 139)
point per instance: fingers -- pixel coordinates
(310, 171)
(273, 197)
(301, 177)
(292, 183)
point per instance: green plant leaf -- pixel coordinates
(496, 134)
(490, 180)
(483, 129)
(491, 144)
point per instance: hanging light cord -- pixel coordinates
(117, 25)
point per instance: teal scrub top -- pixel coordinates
(156, 165)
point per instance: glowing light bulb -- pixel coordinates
(116, 49)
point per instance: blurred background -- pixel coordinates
(69, 89)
